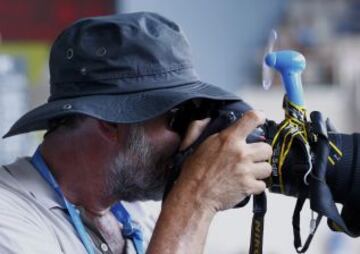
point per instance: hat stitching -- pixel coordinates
(110, 76)
(64, 97)
(175, 68)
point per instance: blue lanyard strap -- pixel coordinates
(44, 171)
(129, 230)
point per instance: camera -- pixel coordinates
(324, 170)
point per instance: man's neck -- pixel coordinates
(81, 179)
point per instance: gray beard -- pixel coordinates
(138, 172)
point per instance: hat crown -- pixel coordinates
(124, 68)
(118, 52)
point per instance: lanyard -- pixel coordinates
(129, 230)
(44, 171)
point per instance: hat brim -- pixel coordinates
(118, 108)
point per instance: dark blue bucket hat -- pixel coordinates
(123, 68)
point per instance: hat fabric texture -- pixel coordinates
(123, 68)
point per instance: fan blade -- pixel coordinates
(267, 73)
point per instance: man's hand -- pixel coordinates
(222, 171)
(225, 169)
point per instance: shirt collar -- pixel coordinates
(34, 184)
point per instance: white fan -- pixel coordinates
(267, 73)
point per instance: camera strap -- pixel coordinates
(321, 199)
(257, 225)
(314, 223)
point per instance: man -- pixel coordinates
(116, 84)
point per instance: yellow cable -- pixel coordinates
(336, 148)
(331, 160)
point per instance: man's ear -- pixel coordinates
(107, 130)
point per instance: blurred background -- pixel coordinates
(228, 39)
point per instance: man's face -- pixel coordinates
(139, 172)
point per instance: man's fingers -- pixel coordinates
(193, 132)
(259, 151)
(256, 187)
(259, 187)
(261, 170)
(244, 126)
